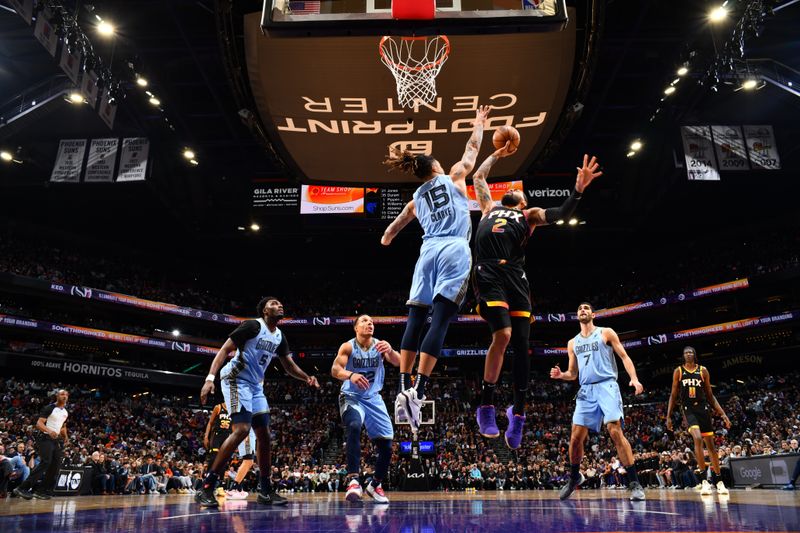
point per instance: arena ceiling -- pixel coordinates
(178, 47)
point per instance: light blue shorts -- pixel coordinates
(243, 396)
(443, 269)
(373, 413)
(598, 404)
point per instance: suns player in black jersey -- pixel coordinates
(217, 430)
(501, 286)
(691, 383)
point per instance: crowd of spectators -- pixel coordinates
(320, 291)
(137, 443)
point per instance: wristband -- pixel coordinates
(350, 376)
(211, 377)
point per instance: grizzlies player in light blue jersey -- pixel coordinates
(250, 348)
(359, 365)
(442, 271)
(591, 361)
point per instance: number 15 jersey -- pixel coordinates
(442, 209)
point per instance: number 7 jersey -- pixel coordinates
(442, 209)
(368, 363)
(596, 360)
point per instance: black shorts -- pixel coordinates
(502, 292)
(699, 417)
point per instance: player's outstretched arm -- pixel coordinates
(459, 171)
(572, 371)
(291, 368)
(537, 216)
(482, 192)
(222, 354)
(389, 353)
(712, 400)
(673, 396)
(408, 214)
(610, 337)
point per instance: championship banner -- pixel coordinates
(89, 88)
(318, 199)
(133, 159)
(24, 8)
(664, 338)
(69, 161)
(107, 111)
(104, 370)
(761, 147)
(497, 191)
(101, 161)
(70, 63)
(699, 153)
(45, 33)
(102, 335)
(729, 146)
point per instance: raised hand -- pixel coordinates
(481, 114)
(383, 347)
(555, 372)
(505, 151)
(587, 173)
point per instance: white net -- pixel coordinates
(415, 62)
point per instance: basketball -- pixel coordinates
(504, 134)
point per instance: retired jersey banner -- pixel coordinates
(69, 161)
(101, 161)
(729, 146)
(45, 33)
(497, 191)
(761, 147)
(89, 88)
(24, 8)
(318, 199)
(107, 111)
(699, 152)
(133, 159)
(70, 63)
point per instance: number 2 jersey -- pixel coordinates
(368, 363)
(256, 346)
(442, 209)
(502, 236)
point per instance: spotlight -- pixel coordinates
(141, 82)
(573, 221)
(194, 162)
(176, 333)
(6, 156)
(255, 227)
(188, 154)
(749, 84)
(155, 101)
(631, 154)
(683, 71)
(559, 222)
(718, 14)
(76, 98)
(105, 28)
(669, 90)
(636, 145)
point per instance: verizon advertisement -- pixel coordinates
(331, 109)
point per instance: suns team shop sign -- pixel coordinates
(101, 160)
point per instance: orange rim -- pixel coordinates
(401, 66)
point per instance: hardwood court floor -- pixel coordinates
(429, 512)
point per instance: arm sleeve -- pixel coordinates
(565, 210)
(46, 411)
(283, 347)
(246, 331)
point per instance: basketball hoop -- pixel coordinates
(414, 67)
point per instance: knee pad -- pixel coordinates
(260, 420)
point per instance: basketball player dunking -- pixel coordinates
(359, 365)
(442, 270)
(692, 383)
(591, 360)
(501, 286)
(251, 347)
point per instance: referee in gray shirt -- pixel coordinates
(49, 446)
